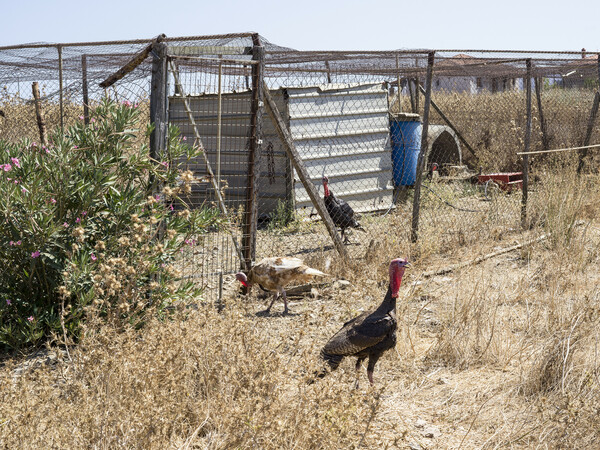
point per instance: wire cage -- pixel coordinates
(416, 143)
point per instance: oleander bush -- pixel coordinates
(90, 224)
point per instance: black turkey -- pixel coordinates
(341, 213)
(371, 333)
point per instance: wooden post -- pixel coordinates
(450, 124)
(328, 72)
(38, 114)
(591, 121)
(543, 127)
(398, 80)
(424, 144)
(527, 144)
(413, 106)
(292, 153)
(255, 142)
(84, 85)
(60, 87)
(417, 85)
(158, 103)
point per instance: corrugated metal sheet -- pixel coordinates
(235, 127)
(339, 131)
(342, 131)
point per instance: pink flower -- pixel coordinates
(184, 138)
(165, 164)
(11, 243)
(34, 144)
(16, 162)
(94, 258)
(23, 190)
(81, 117)
(8, 302)
(53, 200)
(171, 207)
(66, 225)
(78, 220)
(84, 213)
(35, 254)
(75, 146)
(92, 120)
(17, 243)
(7, 167)
(30, 319)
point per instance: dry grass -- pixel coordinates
(503, 354)
(499, 355)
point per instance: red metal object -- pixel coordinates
(507, 181)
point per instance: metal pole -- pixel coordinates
(60, 86)
(219, 114)
(424, 144)
(527, 144)
(543, 128)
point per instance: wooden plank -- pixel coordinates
(527, 144)
(133, 63)
(424, 144)
(39, 114)
(294, 156)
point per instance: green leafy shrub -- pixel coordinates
(89, 224)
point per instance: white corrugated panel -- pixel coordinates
(342, 131)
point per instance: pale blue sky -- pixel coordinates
(315, 25)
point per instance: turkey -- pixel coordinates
(273, 274)
(371, 333)
(341, 213)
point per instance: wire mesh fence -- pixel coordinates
(363, 131)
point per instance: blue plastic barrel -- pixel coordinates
(405, 129)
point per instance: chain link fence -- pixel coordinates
(418, 144)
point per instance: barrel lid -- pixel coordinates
(407, 117)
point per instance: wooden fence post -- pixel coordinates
(255, 142)
(543, 127)
(60, 87)
(422, 153)
(84, 86)
(527, 144)
(38, 114)
(158, 102)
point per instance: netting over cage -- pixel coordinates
(355, 118)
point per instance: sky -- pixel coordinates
(313, 24)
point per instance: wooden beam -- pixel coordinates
(294, 156)
(39, 114)
(133, 63)
(591, 121)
